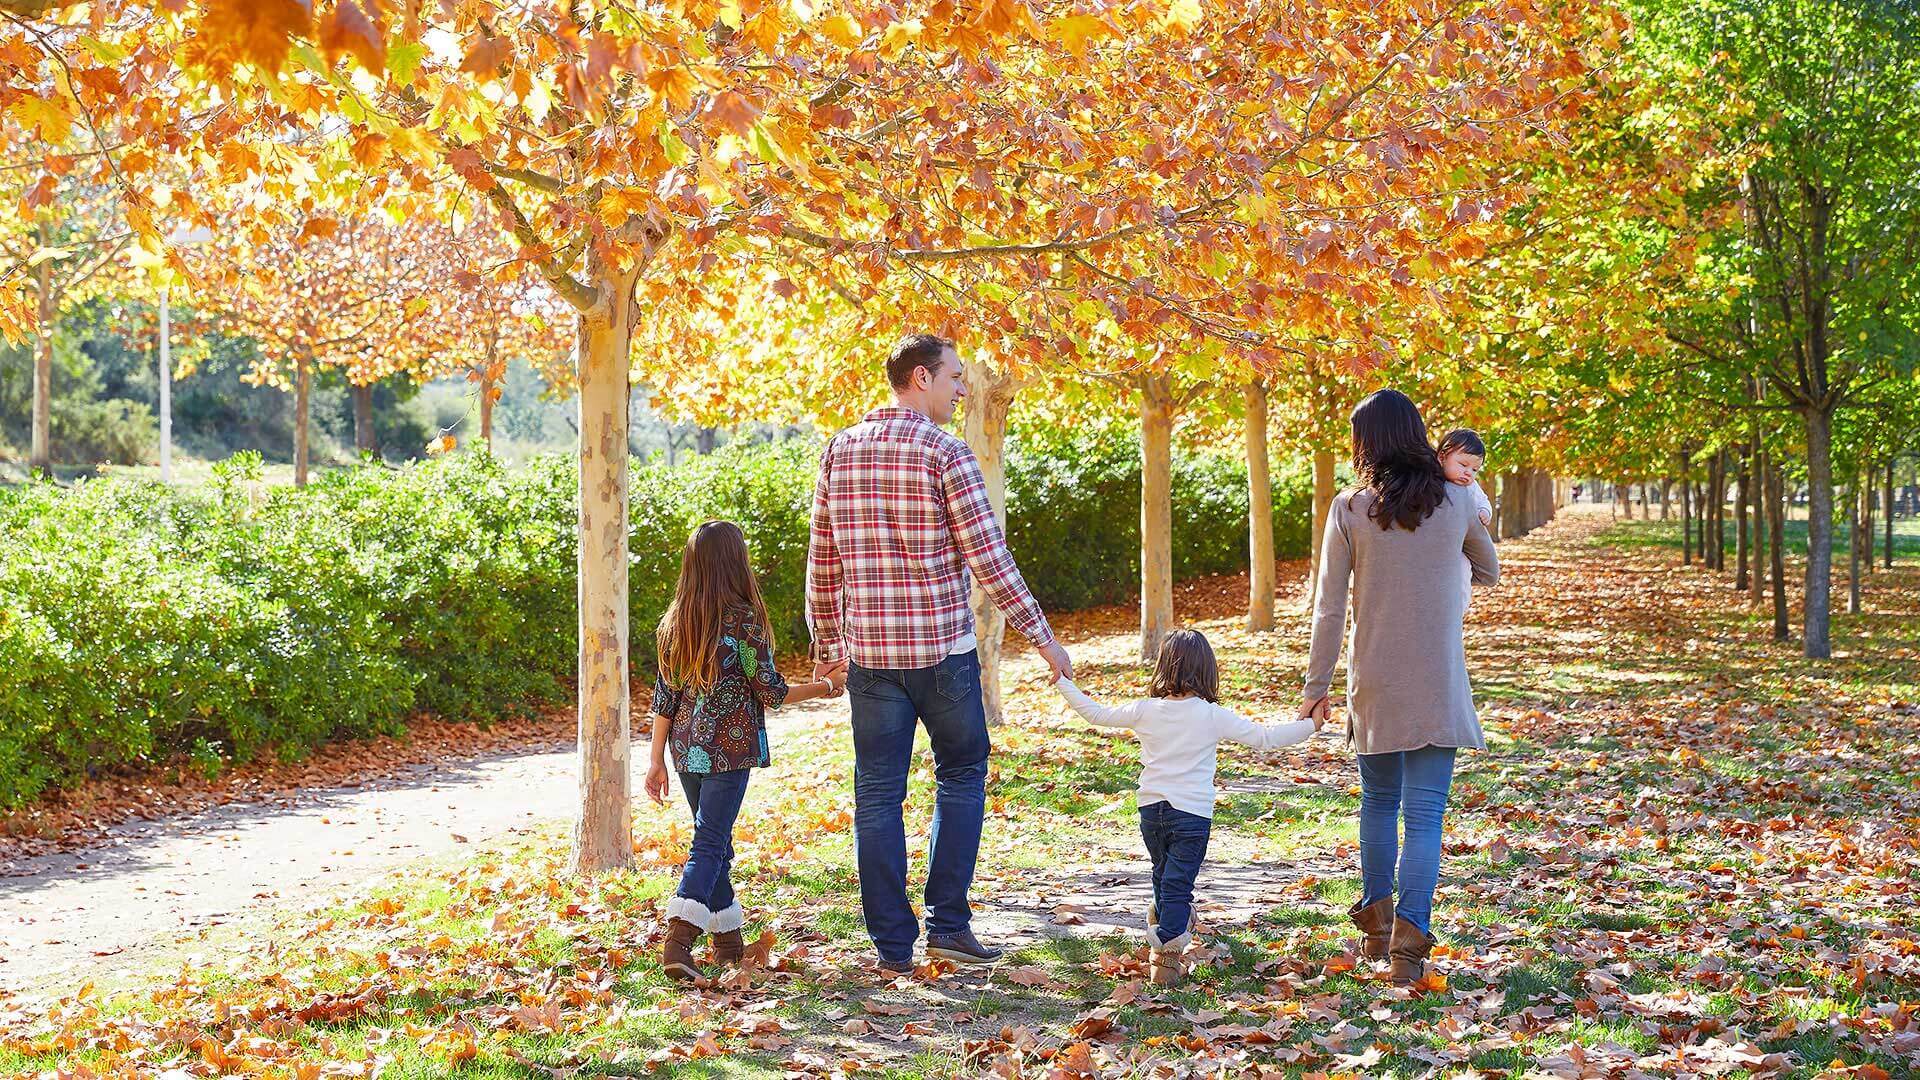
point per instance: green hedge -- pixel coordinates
(137, 622)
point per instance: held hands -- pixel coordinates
(657, 782)
(1058, 661)
(1318, 709)
(834, 675)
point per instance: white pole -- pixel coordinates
(166, 392)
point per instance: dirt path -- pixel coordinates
(152, 887)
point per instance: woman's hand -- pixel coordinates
(657, 782)
(1318, 709)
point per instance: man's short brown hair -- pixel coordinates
(917, 350)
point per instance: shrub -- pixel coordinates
(139, 621)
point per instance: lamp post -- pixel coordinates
(199, 234)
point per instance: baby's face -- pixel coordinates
(1461, 467)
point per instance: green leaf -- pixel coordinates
(404, 59)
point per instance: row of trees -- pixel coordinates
(1228, 214)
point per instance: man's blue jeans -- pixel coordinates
(886, 705)
(1412, 784)
(1177, 844)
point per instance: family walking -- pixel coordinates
(902, 528)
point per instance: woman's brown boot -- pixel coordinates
(1409, 950)
(1376, 922)
(676, 954)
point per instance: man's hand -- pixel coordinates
(1057, 659)
(835, 672)
(657, 783)
(1318, 709)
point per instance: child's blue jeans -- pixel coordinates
(1413, 785)
(707, 879)
(1177, 844)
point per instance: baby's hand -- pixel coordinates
(1486, 517)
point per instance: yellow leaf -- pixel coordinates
(1075, 31)
(841, 30)
(49, 116)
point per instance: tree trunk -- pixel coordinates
(302, 405)
(1156, 512)
(40, 458)
(364, 440)
(1686, 514)
(1543, 498)
(1717, 510)
(1666, 501)
(984, 423)
(1818, 602)
(1866, 519)
(1853, 546)
(603, 831)
(1322, 505)
(1512, 524)
(486, 412)
(1776, 543)
(705, 439)
(1740, 518)
(1260, 565)
(1886, 505)
(1625, 498)
(166, 387)
(1759, 501)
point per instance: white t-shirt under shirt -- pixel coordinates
(1177, 741)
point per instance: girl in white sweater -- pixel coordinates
(1179, 727)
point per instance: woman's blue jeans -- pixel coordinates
(1413, 785)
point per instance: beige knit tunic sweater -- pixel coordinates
(1407, 664)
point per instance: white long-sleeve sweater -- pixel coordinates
(1178, 738)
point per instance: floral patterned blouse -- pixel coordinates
(725, 728)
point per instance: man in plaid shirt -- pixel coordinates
(900, 517)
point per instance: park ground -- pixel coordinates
(1687, 851)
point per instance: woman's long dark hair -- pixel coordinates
(1391, 456)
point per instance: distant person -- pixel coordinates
(901, 530)
(716, 681)
(1396, 542)
(1181, 725)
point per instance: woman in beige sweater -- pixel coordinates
(1397, 540)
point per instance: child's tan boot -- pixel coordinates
(1167, 964)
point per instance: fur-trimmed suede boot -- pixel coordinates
(1166, 962)
(725, 928)
(686, 920)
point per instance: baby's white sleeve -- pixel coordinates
(1481, 505)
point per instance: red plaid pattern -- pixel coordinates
(900, 514)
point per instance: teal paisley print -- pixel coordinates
(725, 728)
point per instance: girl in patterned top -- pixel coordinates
(717, 679)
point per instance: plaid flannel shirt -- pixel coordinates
(900, 514)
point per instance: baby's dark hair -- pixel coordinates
(1462, 441)
(1186, 667)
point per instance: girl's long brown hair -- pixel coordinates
(715, 574)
